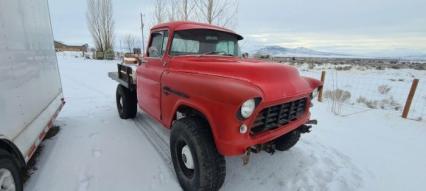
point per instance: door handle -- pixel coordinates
(166, 90)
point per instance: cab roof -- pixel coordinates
(186, 25)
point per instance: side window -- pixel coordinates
(158, 44)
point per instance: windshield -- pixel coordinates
(202, 41)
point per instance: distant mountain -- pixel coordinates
(278, 51)
(415, 57)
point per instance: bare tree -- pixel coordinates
(219, 12)
(93, 21)
(172, 10)
(186, 8)
(176, 10)
(130, 42)
(101, 23)
(160, 12)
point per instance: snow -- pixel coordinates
(97, 151)
(364, 82)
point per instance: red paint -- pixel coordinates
(217, 86)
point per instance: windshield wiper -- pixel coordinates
(218, 53)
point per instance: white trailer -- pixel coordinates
(30, 86)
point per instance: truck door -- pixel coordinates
(149, 74)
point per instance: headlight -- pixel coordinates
(315, 93)
(247, 108)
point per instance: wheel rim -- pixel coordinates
(7, 183)
(121, 102)
(187, 157)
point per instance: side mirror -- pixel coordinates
(153, 52)
(245, 55)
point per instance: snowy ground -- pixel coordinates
(370, 88)
(97, 151)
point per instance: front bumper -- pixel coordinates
(230, 142)
(240, 145)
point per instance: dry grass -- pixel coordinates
(380, 104)
(337, 97)
(384, 89)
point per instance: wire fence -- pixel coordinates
(353, 90)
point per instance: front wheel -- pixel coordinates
(10, 175)
(197, 163)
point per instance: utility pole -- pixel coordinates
(143, 39)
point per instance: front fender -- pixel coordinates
(314, 83)
(218, 98)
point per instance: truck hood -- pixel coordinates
(277, 81)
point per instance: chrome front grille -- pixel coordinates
(278, 115)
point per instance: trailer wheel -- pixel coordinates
(10, 175)
(197, 163)
(287, 141)
(126, 102)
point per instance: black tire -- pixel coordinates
(287, 141)
(127, 107)
(9, 163)
(209, 166)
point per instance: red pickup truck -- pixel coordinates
(193, 80)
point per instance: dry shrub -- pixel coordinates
(369, 103)
(380, 104)
(380, 67)
(337, 97)
(343, 68)
(384, 89)
(396, 67)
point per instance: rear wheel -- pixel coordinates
(197, 163)
(287, 141)
(126, 102)
(10, 175)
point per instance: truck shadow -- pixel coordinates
(307, 166)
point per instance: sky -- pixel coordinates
(359, 27)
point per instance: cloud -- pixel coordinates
(354, 26)
(356, 44)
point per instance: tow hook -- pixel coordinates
(268, 147)
(246, 157)
(312, 122)
(306, 128)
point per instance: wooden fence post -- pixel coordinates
(410, 98)
(322, 87)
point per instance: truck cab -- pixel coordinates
(216, 103)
